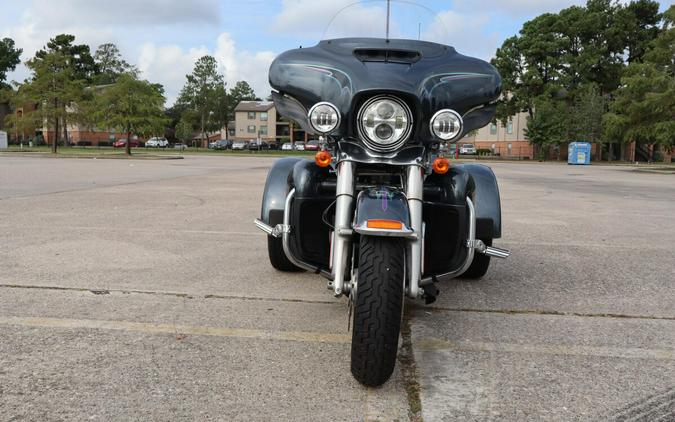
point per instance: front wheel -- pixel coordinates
(378, 307)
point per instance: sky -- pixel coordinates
(164, 38)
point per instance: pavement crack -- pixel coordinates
(170, 294)
(547, 312)
(406, 359)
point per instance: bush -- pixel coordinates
(484, 151)
(84, 144)
(105, 144)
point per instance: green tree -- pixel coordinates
(10, 56)
(584, 117)
(200, 93)
(547, 126)
(184, 130)
(241, 91)
(644, 106)
(83, 68)
(54, 88)
(78, 56)
(131, 106)
(110, 64)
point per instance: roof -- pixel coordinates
(254, 106)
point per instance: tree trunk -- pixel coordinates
(65, 131)
(622, 151)
(610, 155)
(599, 145)
(127, 147)
(55, 141)
(207, 141)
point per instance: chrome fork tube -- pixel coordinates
(343, 217)
(415, 193)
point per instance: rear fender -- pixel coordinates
(382, 211)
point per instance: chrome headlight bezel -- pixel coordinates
(313, 120)
(452, 136)
(368, 135)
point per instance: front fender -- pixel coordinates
(379, 210)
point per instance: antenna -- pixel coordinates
(388, 5)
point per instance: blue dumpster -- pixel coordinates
(579, 153)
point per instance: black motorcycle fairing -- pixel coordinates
(340, 70)
(291, 108)
(277, 186)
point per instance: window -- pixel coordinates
(509, 126)
(251, 115)
(251, 128)
(263, 116)
(263, 130)
(493, 128)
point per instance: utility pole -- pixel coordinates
(388, 7)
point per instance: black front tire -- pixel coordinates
(378, 307)
(479, 265)
(278, 258)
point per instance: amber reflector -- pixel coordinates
(385, 224)
(323, 158)
(441, 165)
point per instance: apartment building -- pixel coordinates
(255, 120)
(507, 140)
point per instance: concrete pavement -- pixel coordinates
(136, 290)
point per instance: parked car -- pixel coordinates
(273, 145)
(287, 146)
(212, 144)
(157, 143)
(179, 145)
(122, 143)
(312, 145)
(467, 149)
(240, 145)
(223, 144)
(299, 146)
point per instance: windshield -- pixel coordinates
(393, 19)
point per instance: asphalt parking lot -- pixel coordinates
(140, 290)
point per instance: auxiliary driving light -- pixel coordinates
(324, 117)
(323, 158)
(446, 124)
(441, 165)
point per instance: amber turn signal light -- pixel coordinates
(441, 165)
(323, 158)
(385, 224)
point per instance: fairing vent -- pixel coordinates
(387, 56)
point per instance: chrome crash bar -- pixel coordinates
(472, 244)
(284, 231)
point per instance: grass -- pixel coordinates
(109, 152)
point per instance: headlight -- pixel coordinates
(384, 123)
(446, 124)
(324, 117)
